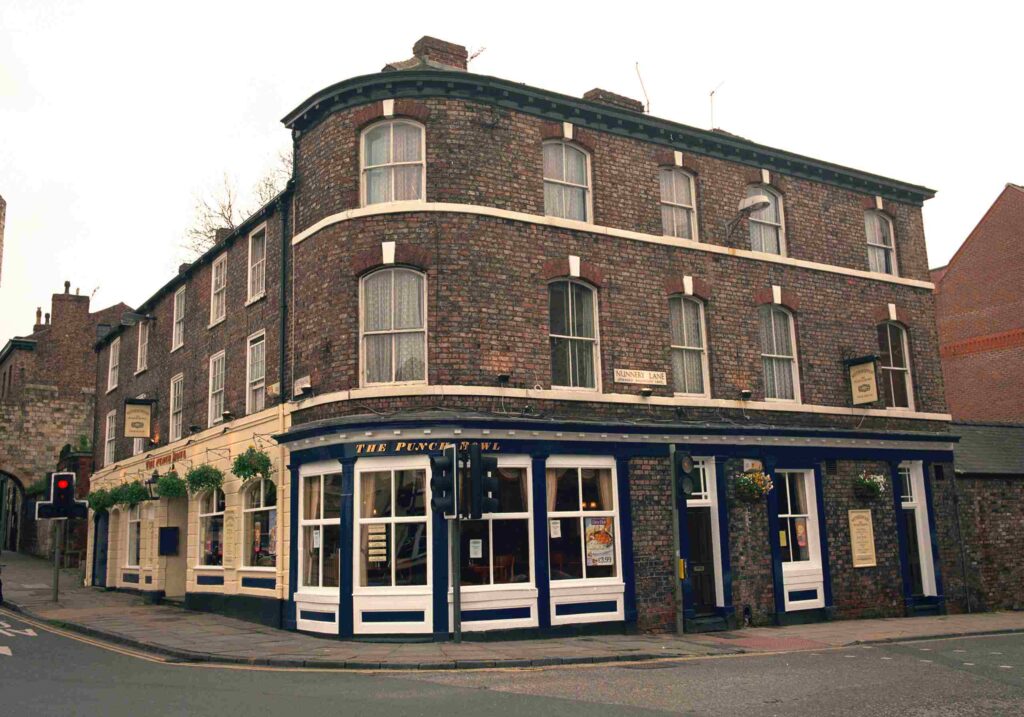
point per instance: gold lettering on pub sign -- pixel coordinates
(367, 449)
(862, 539)
(863, 384)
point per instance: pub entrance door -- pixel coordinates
(701, 560)
(99, 549)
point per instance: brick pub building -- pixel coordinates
(582, 288)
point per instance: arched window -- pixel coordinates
(260, 525)
(881, 252)
(767, 228)
(572, 308)
(678, 214)
(895, 364)
(211, 528)
(778, 354)
(566, 181)
(393, 162)
(689, 352)
(393, 326)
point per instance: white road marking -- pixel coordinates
(928, 661)
(925, 649)
(886, 658)
(849, 655)
(995, 653)
(959, 650)
(968, 664)
(1006, 667)
(5, 651)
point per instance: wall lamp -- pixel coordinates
(746, 207)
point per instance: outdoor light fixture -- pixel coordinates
(151, 483)
(747, 206)
(227, 416)
(504, 378)
(194, 429)
(745, 394)
(646, 392)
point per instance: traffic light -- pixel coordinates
(443, 497)
(483, 478)
(682, 474)
(62, 503)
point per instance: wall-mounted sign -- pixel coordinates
(166, 458)
(392, 447)
(138, 417)
(862, 539)
(648, 378)
(863, 385)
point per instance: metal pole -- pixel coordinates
(676, 548)
(457, 577)
(56, 559)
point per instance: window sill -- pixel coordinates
(176, 348)
(794, 401)
(253, 300)
(691, 395)
(389, 384)
(217, 322)
(208, 567)
(577, 389)
(140, 371)
(111, 389)
(254, 569)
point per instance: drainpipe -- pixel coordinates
(283, 205)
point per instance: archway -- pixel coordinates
(12, 500)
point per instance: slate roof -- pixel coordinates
(990, 449)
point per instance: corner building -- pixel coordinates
(583, 288)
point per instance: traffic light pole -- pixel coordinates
(56, 557)
(457, 577)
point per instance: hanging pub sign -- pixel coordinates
(138, 417)
(863, 384)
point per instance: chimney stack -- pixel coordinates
(431, 53)
(611, 99)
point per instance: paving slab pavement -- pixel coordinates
(127, 619)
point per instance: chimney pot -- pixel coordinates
(67, 287)
(39, 315)
(47, 318)
(182, 268)
(222, 234)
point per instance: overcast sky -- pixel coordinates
(114, 116)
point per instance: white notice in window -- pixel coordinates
(476, 548)
(316, 538)
(555, 528)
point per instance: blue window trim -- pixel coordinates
(209, 579)
(316, 616)
(586, 608)
(261, 583)
(378, 616)
(506, 613)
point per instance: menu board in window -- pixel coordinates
(600, 541)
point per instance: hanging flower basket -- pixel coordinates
(203, 478)
(252, 463)
(101, 500)
(868, 486)
(171, 485)
(752, 486)
(129, 495)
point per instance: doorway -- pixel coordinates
(701, 559)
(99, 550)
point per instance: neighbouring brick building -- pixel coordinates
(584, 290)
(47, 395)
(3, 220)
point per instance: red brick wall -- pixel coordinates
(980, 295)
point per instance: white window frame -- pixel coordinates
(519, 463)
(263, 485)
(203, 518)
(781, 225)
(889, 371)
(705, 369)
(110, 439)
(579, 463)
(595, 341)
(176, 419)
(142, 348)
(260, 267)
(795, 358)
(588, 187)
(134, 523)
(255, 384)
(690, 209)
(804, 574)
(917, 501)
(363, 333)
(215, 417)
(319, 471)
(178, 324)
(364, 169)
(113, 364)
(890, 249)
(218, 292)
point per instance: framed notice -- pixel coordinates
(863, 383)
(862, 539)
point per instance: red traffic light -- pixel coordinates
(63, 483)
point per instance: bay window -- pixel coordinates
(582, 526)
(572, 319)
(260, 525)
(566, 181)
(393, 162)
(320, 532)
(393, 326)
(211, 528)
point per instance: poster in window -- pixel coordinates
(555, 527)
(600, 541)
(476, 548)
(801, 532)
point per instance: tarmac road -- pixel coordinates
(55, 673)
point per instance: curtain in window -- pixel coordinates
(765, 224)
(776, 353)
(393, 306)
(879, 236)
(677, 203)
(551, 483)
(565, 181)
